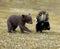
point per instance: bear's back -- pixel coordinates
(14, 19)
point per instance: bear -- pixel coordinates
(15, 20)
(42, 21)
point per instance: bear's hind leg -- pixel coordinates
(9, 26)
(14, 27)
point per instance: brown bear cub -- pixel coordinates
(18, 20)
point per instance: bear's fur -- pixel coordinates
(18, 20)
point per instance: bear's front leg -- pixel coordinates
(23, 28)
(26, 29)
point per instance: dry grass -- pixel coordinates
(34, 40)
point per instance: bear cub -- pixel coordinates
(19, 20)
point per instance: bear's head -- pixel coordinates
(27, 18)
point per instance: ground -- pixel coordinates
(34, 40)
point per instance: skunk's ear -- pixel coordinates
(23, 16)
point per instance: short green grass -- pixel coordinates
(34, 40)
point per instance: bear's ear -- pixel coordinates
(23, 16)
(29, 14)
